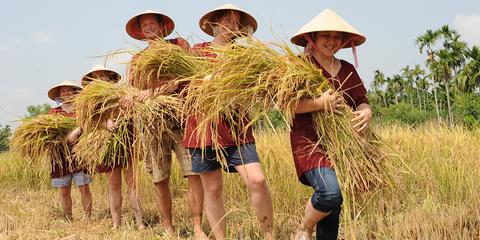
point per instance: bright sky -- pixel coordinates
(45, 42)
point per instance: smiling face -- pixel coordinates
(328, 43)
(66, 93)
(150, 27)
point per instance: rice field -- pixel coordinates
(437, 194)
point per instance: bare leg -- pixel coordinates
(164, 203)
(253, 177)
(133, 195)
(195, 203)
(115, 195)
(311, 218)
(212, 187)
(86, 199)
(66, 202)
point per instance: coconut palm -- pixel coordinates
(418, 75)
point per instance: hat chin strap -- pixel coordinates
(355, 55)
(311, 48)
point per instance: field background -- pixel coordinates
(438, 199)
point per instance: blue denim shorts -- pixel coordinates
(80, 179)
(235, 156)
(327, 195)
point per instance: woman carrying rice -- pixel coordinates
(150, 26)
(322, 37)
(225, 23)
(66, 169)
(114, 169)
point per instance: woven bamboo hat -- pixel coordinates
(54, 92)
(209, 17)
(133, 25)
(328, 20)
(112, 75)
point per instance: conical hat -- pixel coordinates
(54, 92)
(328, 20)
(88, 77)
(246, 18)
(133, 25)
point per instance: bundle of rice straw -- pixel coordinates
(102, 148)
(43, 137)
(157, 118)
(255, 79)
(248, 81)
(138, 124)
(98, 102)
(162, 60)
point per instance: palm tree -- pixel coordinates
(423, 85)
(395, 87)
(408, 82)
(427, 41)
(378, 84)
(418, 75)
(469, 76)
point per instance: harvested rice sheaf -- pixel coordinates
(250, 80)
(163, 60)
(44, 137)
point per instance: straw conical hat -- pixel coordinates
(88, 77)
(328, 20)
(133, 25)
(246, 18)
(54, 92)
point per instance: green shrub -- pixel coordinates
(402, 112)
(466, 109)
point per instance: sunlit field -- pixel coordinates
(437, 195)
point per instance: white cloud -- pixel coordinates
(469, 27)
(42, 37)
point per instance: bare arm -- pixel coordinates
(74, 135)
(327, 102)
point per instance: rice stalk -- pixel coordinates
(102, 148)
(98, 102)
(44, 137)
(156, 118)
(249, 81)
(138, 124)
(162, 60)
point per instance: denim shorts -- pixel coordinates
(80, 179)
(327, 195)
(235, 156)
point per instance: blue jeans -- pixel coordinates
(80, 179)
(326, 198)
(235, 156)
